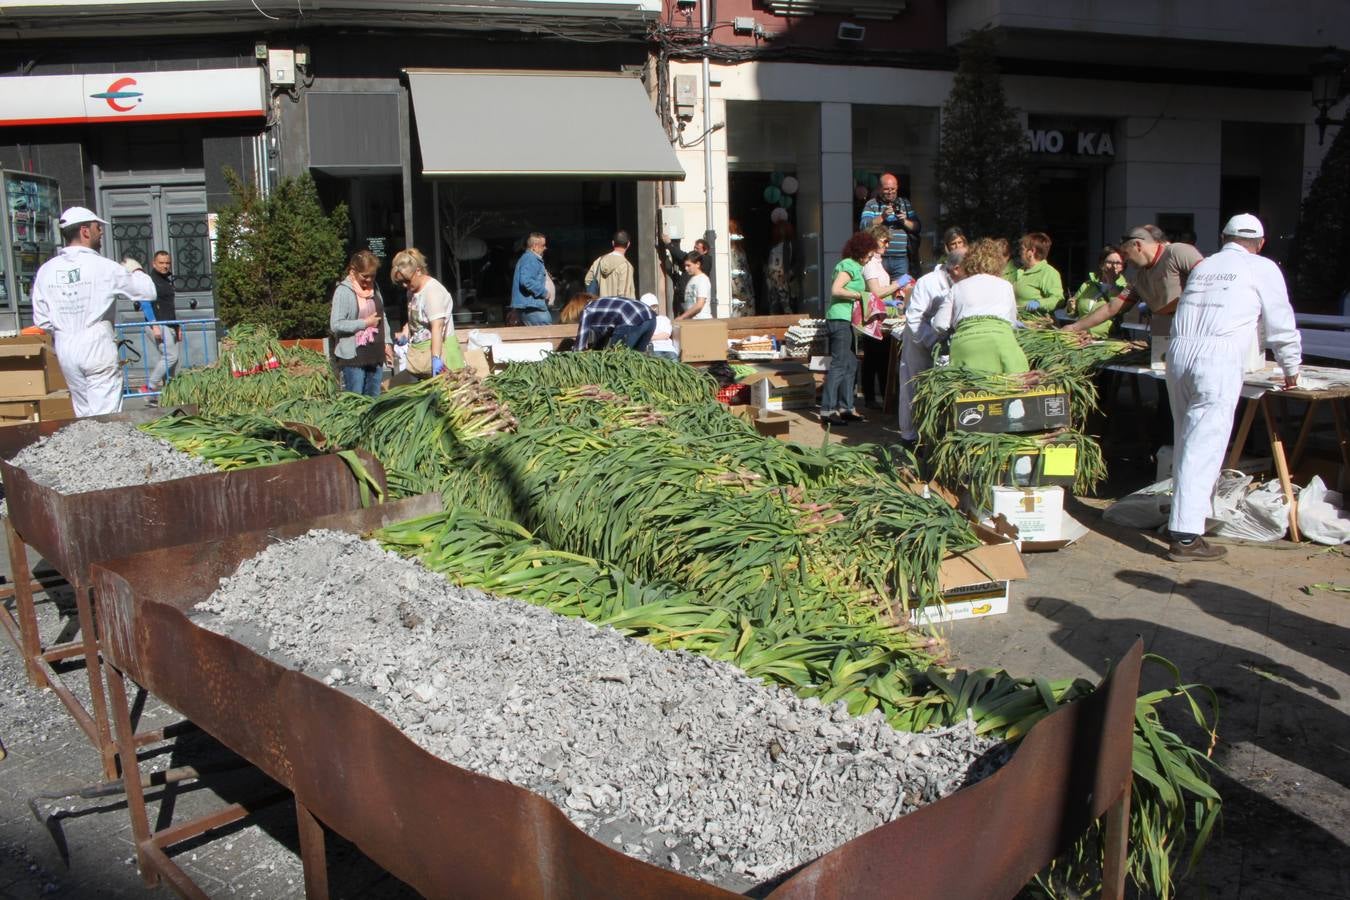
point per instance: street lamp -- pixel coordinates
(1327, 71)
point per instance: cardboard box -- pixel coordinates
(1036, 512)
(1049, 464)
(23, 371)
(55, 380)
(786, 389)
(477, 362)
(56, 405)
(1038, 410)
(973, 602)
(996, 559)
(768, 424)
(701, 340)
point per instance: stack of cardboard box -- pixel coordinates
(1030, 501)
(32, 388)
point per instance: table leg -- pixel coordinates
(1304, 430)
(1244, 429)
(1342, 430)
(1281, 468)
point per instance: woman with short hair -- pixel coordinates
(429, 329)
(847, 292)
(1101, 287)
(358, 321)
(1036, 285)
(981, 315)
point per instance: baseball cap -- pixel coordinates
(1244, 225)
(78, 215)
(650, 300)
(131, 264)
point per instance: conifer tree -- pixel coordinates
(982, 157)
(1319, 266)
(278, 258)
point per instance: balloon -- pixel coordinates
(470, 248)
(789, 185)
(785, 203)
(873, 181)
(776, 179)
(861, 192)
(778, 215)
(772, 194)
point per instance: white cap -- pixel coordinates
(131, 265)
(78, 215)
(650, 300)
(1244, 225)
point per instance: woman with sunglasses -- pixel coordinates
(358, 322)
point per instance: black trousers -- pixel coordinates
(875, 356)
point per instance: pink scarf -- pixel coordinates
(365, 306)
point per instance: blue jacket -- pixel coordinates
(529, 289)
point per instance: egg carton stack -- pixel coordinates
(806, 339)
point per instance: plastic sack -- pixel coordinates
(1146, 508)
(1321, 514)
(1262, 515)
(481, 341)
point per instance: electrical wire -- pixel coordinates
(263, 14)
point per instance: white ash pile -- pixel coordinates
(806, 338)
(671, 757)
(92, 456)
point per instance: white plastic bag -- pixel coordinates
(480, 341)
(1321, 514)
(1262, 515)
(1146, 508)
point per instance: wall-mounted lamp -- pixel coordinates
(1328, 86)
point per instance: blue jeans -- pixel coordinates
(536, 317)
(634, 337)
(362, 379)
(843, 372)
(895, 266)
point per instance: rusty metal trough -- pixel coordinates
(448, 832)
(72, 531)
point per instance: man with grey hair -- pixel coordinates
(1159, 273)
(917, 336)
(531, 286)
(75, 298)
(1215, 324)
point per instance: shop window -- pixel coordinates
(901, 140)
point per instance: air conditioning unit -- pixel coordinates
(851, 33)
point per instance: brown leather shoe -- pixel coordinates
(1198, 550)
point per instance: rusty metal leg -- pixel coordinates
(312, 853)
(1244, 429)
(1342, 430)
(131, 774)
(1282, 469)
(1117, 846)
(98, 704)
(23, 606)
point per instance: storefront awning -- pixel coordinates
(501, 123)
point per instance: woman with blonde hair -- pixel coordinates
(429, 330)
(571, 313)
(358, 321)
(980, 314)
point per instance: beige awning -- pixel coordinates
(474, 123)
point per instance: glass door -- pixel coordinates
(144, 220)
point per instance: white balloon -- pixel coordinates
(778, 215)
(789, 185)
(470, 248)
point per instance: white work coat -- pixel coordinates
(1228, 293)
(75, 298)
(924, 301)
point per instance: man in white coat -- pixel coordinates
(1226, 296)
(75, 298)
(917, 336)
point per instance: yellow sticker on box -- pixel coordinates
(1059, 460)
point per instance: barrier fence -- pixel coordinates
(139, 353)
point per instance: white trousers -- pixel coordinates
(1204, 381)
(89, 362)
(915, 359)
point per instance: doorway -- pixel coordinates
(1061, 205)
(145, 219)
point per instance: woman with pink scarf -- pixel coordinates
(358, 322)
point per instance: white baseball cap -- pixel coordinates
(131, 264)
(650, 300)
(78, 215)
(1244, 225)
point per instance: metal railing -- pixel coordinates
(138, 352)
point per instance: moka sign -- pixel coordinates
(1091, 140)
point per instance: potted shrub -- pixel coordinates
(278, 257)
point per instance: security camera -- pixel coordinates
(686, 4)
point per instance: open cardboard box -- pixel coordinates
(790, 386)
(28, 368)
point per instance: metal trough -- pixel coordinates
(72, 531)
(448, 832)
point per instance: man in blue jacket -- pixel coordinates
(531, 287)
